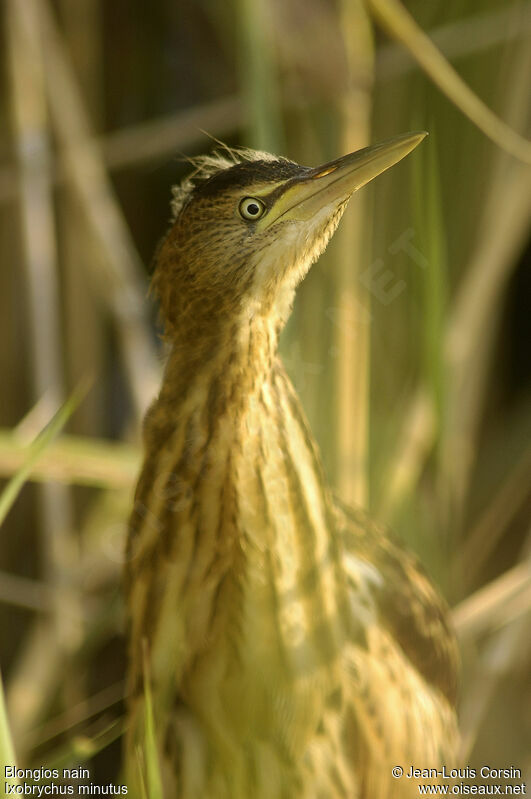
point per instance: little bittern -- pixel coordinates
(294, 650)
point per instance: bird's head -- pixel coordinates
(247, 226)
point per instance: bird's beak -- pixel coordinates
(329, 185)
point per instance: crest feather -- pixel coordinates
(206, 166)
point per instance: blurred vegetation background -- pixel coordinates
(409, 341)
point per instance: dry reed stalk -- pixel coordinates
(28, 109)
(392, 15)
(501, 236)
(460, 38)
(74, 460)
(36, 211)
(149, 141)
(258, 76)
(471, 325)
(352, 373)
(468, 348)
(493, 605)
(493, 521)
(82, 24)
(85, 337)
(118, 278)
(80, 714)
(405, 465)
(505, 608)
(161, 138)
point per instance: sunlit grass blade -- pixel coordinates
(141, 778)
(118, 273)
(474, 318)
(80, 749)
(430, 224)
(353, 353)
(74, 460)
(36, 449)
(495, 604)
(406, 463)
(153, 780)
(257, 75)
(397, 21)
(81, 713)
(7, 751)
(504, 648)
(497, 514)
(423, 426)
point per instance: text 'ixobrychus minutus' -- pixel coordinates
(294, 650)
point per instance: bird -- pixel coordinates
(289, 646)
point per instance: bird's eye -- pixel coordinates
(251, 208)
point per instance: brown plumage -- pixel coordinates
(295, 650)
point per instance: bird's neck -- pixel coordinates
(238, 506)
(229, 364)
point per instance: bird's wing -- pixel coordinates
(409, 607)
(402, 672)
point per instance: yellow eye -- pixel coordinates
(251, 208)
